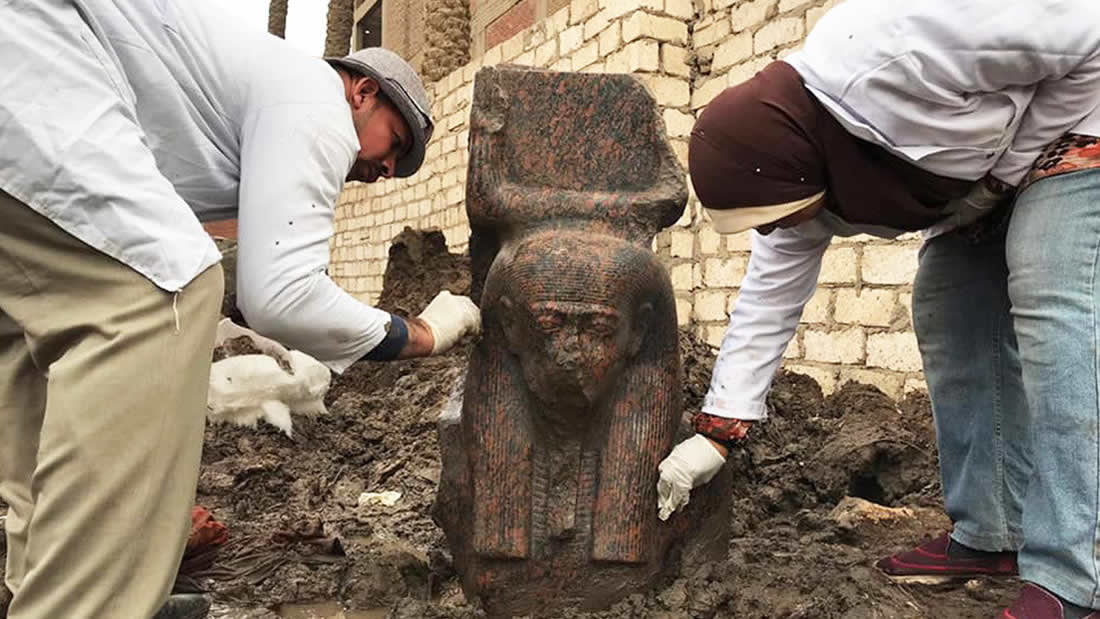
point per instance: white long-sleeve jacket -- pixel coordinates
(961, 88)
(126, 122)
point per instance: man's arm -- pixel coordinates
(293, 163)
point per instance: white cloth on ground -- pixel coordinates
(247, 388)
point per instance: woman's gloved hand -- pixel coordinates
(450, 317)
(984, 197)
(691, 464)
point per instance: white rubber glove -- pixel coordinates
(978, 203)
(691, 464)
(227, 329)
(450, 316)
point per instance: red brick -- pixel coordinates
(225, 228)
(510, 23)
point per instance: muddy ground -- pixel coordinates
(303, 544)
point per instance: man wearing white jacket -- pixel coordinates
(931, 116)
(123, 124)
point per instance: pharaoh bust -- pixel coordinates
(572, 396)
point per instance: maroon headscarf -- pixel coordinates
(768, 141)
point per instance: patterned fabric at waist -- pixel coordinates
(1070, 153)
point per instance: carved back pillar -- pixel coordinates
(572, 396)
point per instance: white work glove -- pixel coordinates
(691, 464)
(977, 203)
(450, 317)
(227, 329)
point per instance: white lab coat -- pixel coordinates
(127, 122)
(958, 87)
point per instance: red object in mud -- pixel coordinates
(721, 429)
(205, 532)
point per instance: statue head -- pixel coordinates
(574, 308)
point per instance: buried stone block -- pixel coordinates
(572, 396)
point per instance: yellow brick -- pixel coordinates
(643, 55)
(679, 124)
(545, 53)
(710, 305)
(581, 10)
(610, 39)
(793, 5)
(724, 273)
(711, 34)
(709, 240)
(838, 266)
(570, 39)
(596, 24)
(666, 29)
(845, 346)
(889, 264)
(683, 312)
(674, 60)
(526, 59)
(586, 55)
(618, 8)
(894, 351)
(683, 9)
(682, 277)
(778, 32)
(868, 307)
(748, 15)
(563, 64)
(669, 91)
(707, 91)
(816, 309)
(557, 22)
(731, 51)
(683, 244)
(511, 48)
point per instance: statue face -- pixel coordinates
(571, 353)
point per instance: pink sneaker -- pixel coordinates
(931, 564)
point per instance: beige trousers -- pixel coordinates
(102, 410)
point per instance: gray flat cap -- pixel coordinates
(403, 87)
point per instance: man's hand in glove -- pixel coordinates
(696, 461)
(446, 320)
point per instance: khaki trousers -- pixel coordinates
(102, 410)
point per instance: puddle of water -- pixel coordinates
(327, 610)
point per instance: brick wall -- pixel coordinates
(857, 326)
(586, 35)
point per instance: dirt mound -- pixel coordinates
(420, 266)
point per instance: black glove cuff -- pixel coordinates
(397, 335)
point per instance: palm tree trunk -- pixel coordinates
(276, 18)
(341, 17)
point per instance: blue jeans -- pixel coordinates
(1009, 333)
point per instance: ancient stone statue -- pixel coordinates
(572, 396)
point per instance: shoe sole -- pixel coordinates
(933, 579)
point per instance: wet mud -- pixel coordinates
(820, 491)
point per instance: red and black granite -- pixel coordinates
(572, 396)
